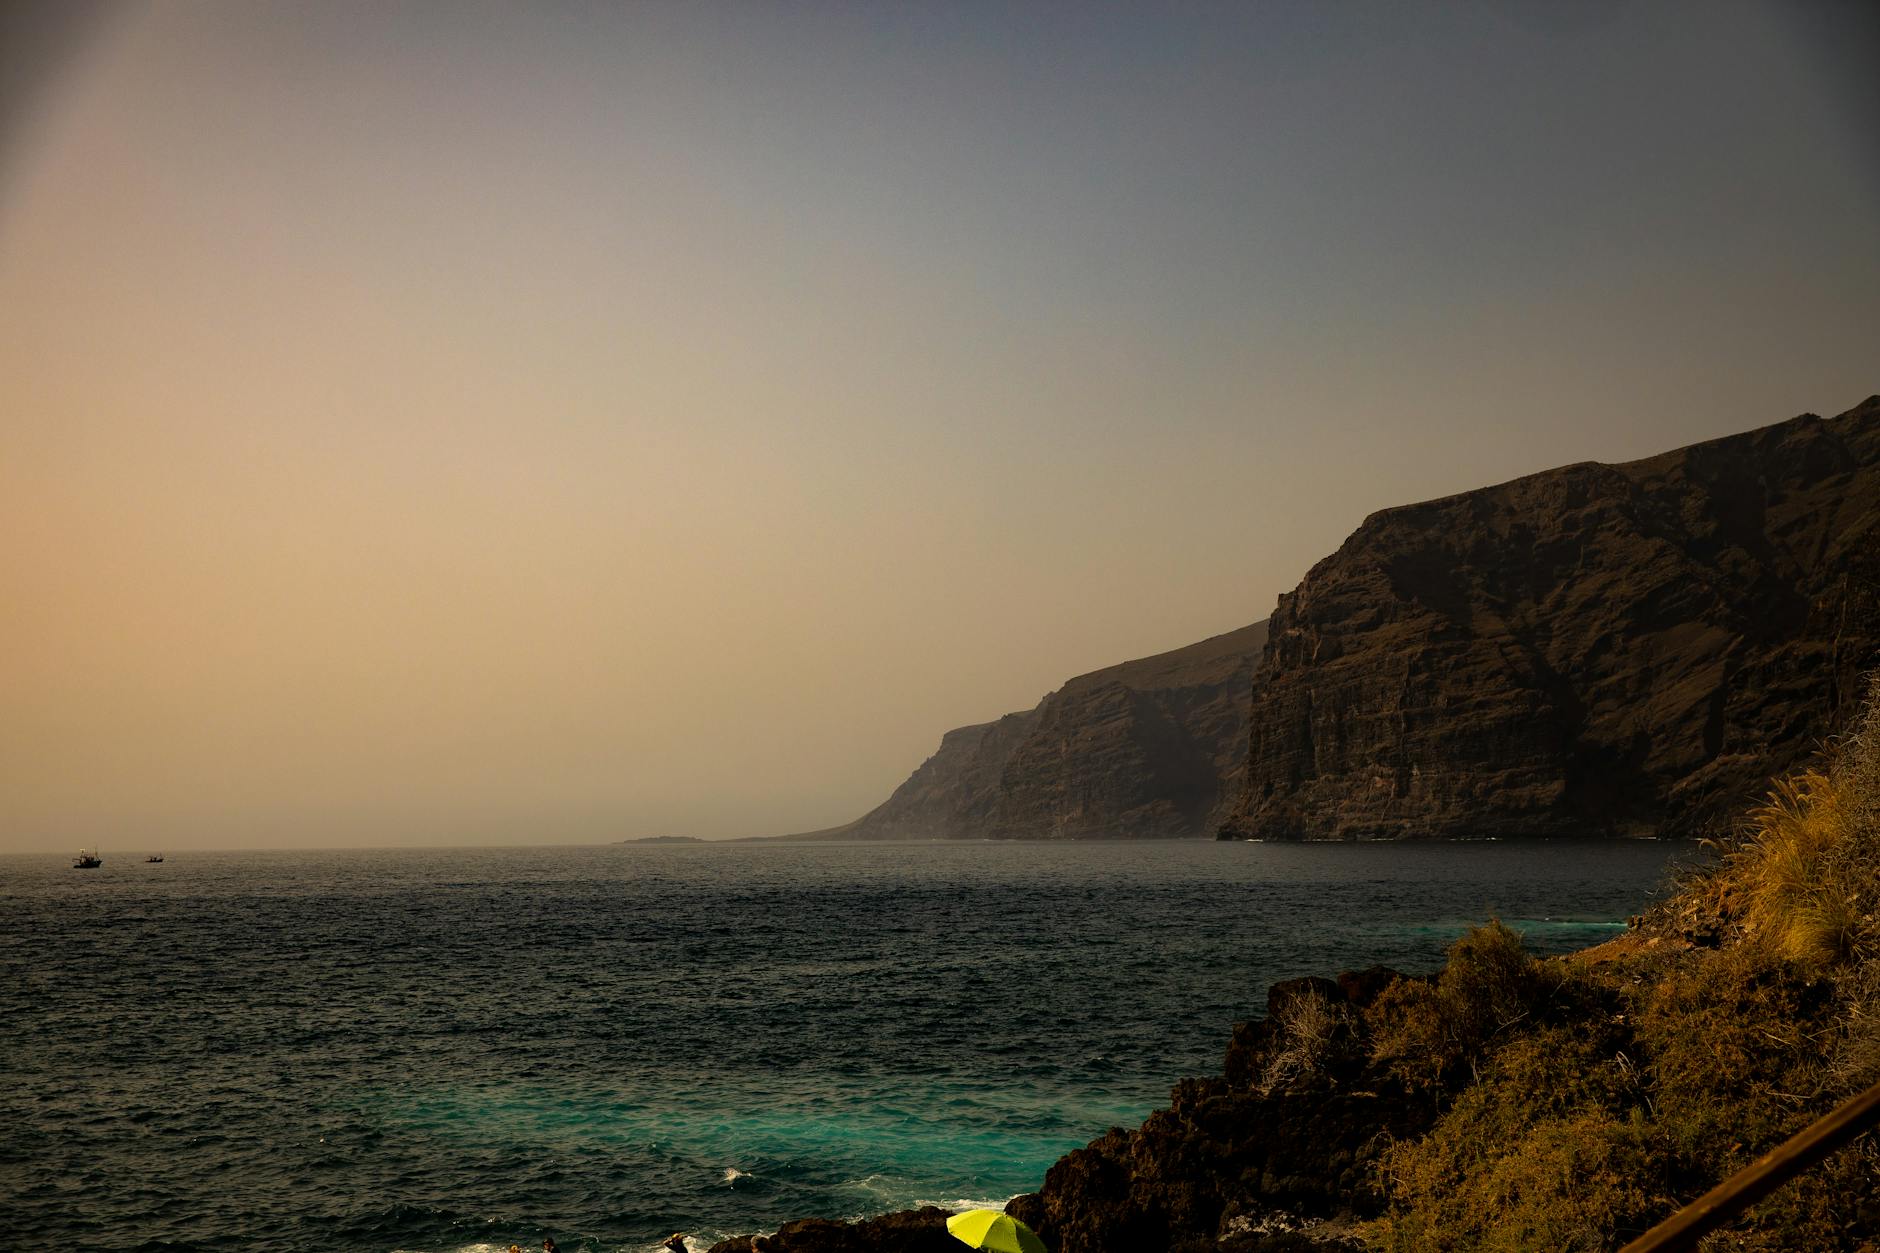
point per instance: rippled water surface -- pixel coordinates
(442, 1050)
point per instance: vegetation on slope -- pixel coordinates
(1514, 1103)
(1594, 1096)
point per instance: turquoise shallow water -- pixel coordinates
(449, 1049)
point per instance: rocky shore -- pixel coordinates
(1509, 1102)
(1320, 1133)
(1234, 1163)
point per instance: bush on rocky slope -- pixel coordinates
(1676, 1065)
(1510, 1103)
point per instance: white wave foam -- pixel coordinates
(960, 1205)
(890, 1192)
(693, 1244)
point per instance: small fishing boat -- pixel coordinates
(154, 857)
(87, 860)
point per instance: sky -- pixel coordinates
(461, 423)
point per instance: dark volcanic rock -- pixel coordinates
(1361, 987)
(1234, 1164)
(1193, 1176)
(1149, 748)
(1600, 649)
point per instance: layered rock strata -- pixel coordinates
(1151, 748)
(1596, 650)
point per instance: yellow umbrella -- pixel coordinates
(989, 1229)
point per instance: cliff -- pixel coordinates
(1599, 649)
(1628, 649)
(1150, 748)
(1594, 650)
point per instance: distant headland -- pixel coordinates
(663, 839)
(1616, 650)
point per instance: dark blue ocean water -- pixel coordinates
(451, 1050)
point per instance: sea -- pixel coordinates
(453, 1050)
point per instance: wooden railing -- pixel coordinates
(1757, 1180)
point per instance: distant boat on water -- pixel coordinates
(87, 860)
(154, 857)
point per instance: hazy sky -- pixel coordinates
(525, 422)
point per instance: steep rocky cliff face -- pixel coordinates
(954, 793)
(1147, 749)
(1600, 649)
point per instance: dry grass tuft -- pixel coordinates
(1579, 1103)
(1309, 1029)
(1794, 906)
(1804, 880)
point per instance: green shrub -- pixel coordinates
(1548, 1149)
(1734, 1048)
(1579, 1104)
(1432, 1034)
